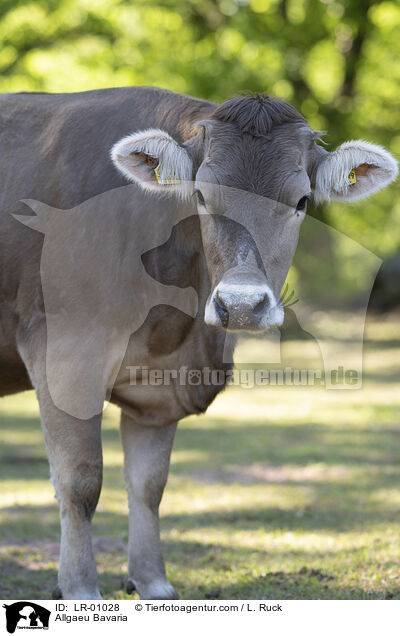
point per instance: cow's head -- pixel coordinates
(251, 168)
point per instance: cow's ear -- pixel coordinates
(355, 170)
(154, 160)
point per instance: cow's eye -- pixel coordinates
(302, 204)
(200, 197)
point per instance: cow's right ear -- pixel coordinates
(154, 160)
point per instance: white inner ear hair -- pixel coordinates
(174, 163)
(332, 178)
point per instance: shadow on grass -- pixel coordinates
(306, 583)
(249, 442)
(328, 509)
(287, 444)
(20, 582)
(216, 455)
(38, 579)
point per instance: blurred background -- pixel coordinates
(277, 492)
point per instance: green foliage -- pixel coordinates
(337, 61)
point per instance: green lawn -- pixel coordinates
(276, 492)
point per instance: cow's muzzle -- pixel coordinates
(248, 307)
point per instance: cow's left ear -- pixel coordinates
(154, 160)
(355, 170)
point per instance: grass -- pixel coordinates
(275, 493)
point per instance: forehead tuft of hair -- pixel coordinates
(257, 114)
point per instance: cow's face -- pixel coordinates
(252, 195)
(251, 169)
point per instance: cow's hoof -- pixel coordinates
(56, 594)
(78, 594)
(84, 595)
(157, 591)
(130, 587)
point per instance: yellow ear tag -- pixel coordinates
(171, 180)
(352, 177)
(157, 173)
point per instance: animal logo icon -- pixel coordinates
(26, 615)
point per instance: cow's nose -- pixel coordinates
(238, 309)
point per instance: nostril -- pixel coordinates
(221, 310)
(261, 306)
(222, 303)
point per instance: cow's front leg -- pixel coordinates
(147, 453)
(75, 456)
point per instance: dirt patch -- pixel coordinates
(266, 473)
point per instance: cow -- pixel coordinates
(232, 181)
